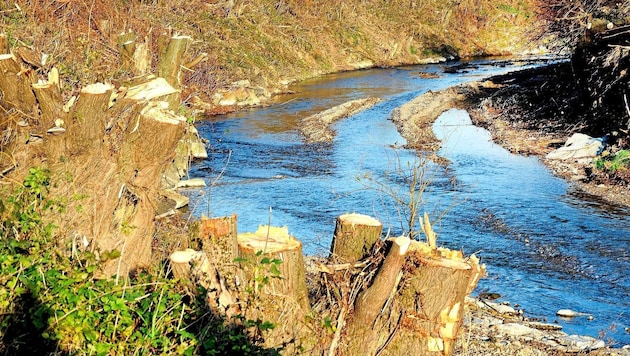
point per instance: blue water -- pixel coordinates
(546, 246)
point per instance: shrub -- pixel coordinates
(51, 299)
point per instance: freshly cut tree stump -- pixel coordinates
(431, 300)
(219, 242)
(274, 274)
(169, 66)
(370, 303)
(16, 86)
(261, 250)
(219, 238)
(354, 236)
(112, 146)
(193, 266)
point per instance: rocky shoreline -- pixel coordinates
(492, 328)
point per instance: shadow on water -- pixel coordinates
(546, 247)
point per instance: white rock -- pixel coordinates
(487, 321)
(179, 199)
(198, 150)
(191, 183)
(581, 343)
(568, 313)
(515, 329)
(578, 146)
(500, 308)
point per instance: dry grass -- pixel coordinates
(265, 41)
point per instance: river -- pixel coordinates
(546, 246)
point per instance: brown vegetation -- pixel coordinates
(265, 42)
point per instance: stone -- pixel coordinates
(500, 308)
(515, 329)
(198, 149)
(578, 146)
(543, 326)
(568, 313)
(578, 343)
(178, 200)
(191, 183)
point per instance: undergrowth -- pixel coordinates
(51, 300)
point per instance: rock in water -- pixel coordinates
(568, 313)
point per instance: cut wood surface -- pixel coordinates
(316, 128)
(354, 236)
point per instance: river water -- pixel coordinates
(546, 246)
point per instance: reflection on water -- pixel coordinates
(546, 247)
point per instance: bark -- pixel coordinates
(15, 84)
(109, 152)
(274, 276)
(90, 119)
(431, 300)
(369, 303)
(134, 55)
(53, 118)
(126, 42)
(169, 66)
(272, 243)
(354, 236)
(4, 43)
(194, 266)
(219, 239)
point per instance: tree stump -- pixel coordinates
(431, 300)
(193, 268)
(275, 265)
(169, 66)
(111, 147)
(274, 278)
(219, 238)
(16, 86)
(354, 236)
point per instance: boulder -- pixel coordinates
(578, 146)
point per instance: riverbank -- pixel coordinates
(492, 105)
(538, 131)
(498, 329)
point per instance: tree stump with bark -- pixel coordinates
(414, 303)
(431, 299)
(354, 236)
(219, 240)
(275, 264)
(194, 268)
(274, 276)
(105, 145)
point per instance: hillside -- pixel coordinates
(267, 43)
